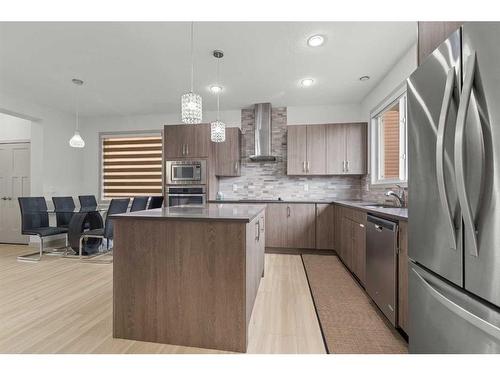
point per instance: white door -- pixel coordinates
(14, 182)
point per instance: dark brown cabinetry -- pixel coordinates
(192, 141)
(291, 225)
(352, 245)
(325, 226)
(227, 154)
(403, 276)
(431, 35)
(331, 149)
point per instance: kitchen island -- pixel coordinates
(188, 275)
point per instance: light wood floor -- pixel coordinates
(63, 306)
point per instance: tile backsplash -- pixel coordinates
(268, 180)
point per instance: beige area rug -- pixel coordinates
(350, 321)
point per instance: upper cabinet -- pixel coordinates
(431, 35)
(355, 153)
(332, 149)
(296, 150)
(306, 153)
(227, 154)
(346, 148)
(187, 141)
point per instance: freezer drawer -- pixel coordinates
(444, 319)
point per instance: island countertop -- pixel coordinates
(211, 211)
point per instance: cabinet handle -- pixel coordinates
(257, 229)
(304, 166)
(183, 149)
(308, 167)
(343, 166)
(236, 166)
(263, 225)
(362, 225)
(287, 211)
(347, 165)
(187, 149)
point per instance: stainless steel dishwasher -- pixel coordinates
(381, 264)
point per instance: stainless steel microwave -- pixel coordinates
(184, 172)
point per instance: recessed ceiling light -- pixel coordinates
(364, 78)
(306, 82)
(215, 89)
(316, 40)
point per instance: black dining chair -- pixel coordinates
(155, 202)
(35, 222)
(139, 204)
(87, 202)
(63, 207)
(117, 206)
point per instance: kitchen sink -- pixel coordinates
(381, 205)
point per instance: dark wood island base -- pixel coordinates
(188, 279)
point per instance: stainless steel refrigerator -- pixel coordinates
(454, 188)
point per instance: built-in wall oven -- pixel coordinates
(185, 172)
(187, 195)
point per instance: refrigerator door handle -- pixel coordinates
(441, 183)
(459, 152)
(479, 323)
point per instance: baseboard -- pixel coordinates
(293, 251)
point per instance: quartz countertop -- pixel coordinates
(211, 211)
(399, 213)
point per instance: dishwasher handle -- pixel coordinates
(381, 224)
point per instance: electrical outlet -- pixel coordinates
(306, 187)
(235, 187)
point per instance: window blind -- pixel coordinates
(132, 166)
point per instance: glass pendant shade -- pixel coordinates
(77, 140)
(217, 131)
(191, 108)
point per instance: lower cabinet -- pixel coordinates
(325, 226)
(291, 225)
(352, 246)
(403, 276)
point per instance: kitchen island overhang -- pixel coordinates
(188, 275)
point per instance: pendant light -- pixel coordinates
(217, 127)
(191, 103)
(77, 140)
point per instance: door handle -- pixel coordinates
(473, 319)
(459, 151)
(378, 227)
(287, 211)
(9, 198)
(440, 155)
(4, 198)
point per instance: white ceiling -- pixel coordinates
(141, 68)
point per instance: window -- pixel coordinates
(131, 165)
(389, 140)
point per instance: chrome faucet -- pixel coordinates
(400, 196)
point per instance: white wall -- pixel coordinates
(395, 77)
(324, 114)
(90, 127)
(14, 128)
(55, 166)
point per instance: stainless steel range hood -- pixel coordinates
(263, 133)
